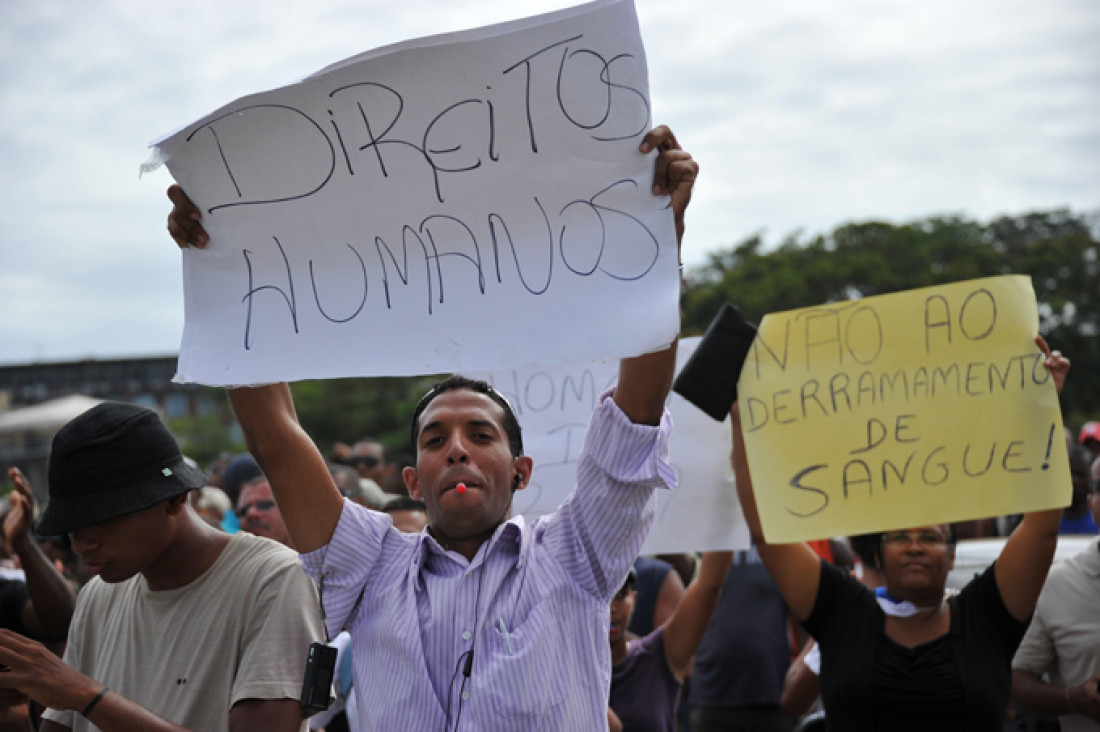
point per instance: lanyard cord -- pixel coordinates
(466, 659)
(321, 602)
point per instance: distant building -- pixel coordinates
(26, 434)
(36, 399)
(144, 381)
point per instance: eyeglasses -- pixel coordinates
(369, 461)
(264, 505)
(923, 538)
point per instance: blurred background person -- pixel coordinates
(408, 514)
(741, 662)
(646, 673)
(363, 491)
(39, 606)
(1056, 670)
(368, 456)
(258, 514)
(658, 591)
(239, 470)
(1076, 517)
(1089, 437)
(212, 504)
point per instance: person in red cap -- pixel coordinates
(1090, 437)
(183, 627)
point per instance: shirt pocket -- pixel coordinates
(526, 671)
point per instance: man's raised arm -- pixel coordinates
(644, 381)
(304, 489)
(307, 496)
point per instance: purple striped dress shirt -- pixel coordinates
(533, 605)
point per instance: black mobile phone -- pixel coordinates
(709, 378)
(317, 684)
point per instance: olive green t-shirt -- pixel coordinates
(240, 631)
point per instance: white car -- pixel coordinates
(974, 555)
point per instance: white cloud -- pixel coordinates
(802, 114)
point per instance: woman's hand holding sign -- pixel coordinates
(1055, 362)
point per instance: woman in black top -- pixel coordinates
(926, 663)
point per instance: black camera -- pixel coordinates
(317, 684)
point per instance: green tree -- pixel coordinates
(344, 410)
(205, 437)
(1058, 249)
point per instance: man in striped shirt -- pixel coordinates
(481, 621)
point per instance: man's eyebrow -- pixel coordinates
(438, 424)
(431, 426)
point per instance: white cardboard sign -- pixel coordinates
(469, 201)
(554, 404)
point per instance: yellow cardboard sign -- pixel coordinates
(920, 407)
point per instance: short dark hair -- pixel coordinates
(630, 583)
(866, 547)
(952, 536)
(511, 424)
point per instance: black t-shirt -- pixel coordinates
(743, 657)
(918, 683)
(960, 681)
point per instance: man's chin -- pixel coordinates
(460, 510)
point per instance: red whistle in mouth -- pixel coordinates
(460, 488)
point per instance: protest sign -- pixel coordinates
(554, 404)
(921, 407)
(452, 203)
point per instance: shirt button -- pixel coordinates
(465, 695)
(465, 635)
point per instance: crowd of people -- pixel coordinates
(731, 622)
(152, 595)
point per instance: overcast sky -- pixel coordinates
(802, 114)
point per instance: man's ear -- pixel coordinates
(176, 503)
(523, 465)
(412, 482)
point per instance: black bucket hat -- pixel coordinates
(114, 459)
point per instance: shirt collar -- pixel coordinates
(509, 532)
(513, 532)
